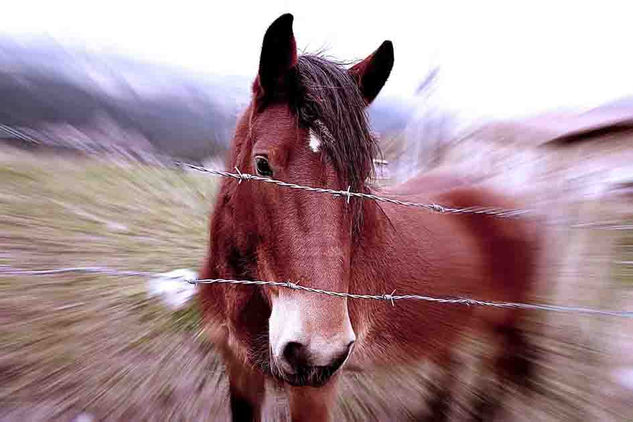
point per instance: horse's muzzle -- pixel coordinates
(297, 370)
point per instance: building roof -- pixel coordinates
(561, 128)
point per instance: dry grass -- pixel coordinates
(73, 343)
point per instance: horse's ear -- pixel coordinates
(372, 73)
(278, 56)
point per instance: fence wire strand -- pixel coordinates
(239, 176)
(392, 297)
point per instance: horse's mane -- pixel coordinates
(330, 103)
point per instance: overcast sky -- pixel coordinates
(496, 58)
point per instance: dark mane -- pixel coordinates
(330, 103)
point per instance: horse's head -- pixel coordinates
(307, 125)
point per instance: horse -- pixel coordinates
(307, 124)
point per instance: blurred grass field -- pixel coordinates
(74, 343)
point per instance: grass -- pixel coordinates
(72, 343)
(75, 342)
(623, 265)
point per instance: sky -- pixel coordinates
(496, 58)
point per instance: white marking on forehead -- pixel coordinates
(315, 141)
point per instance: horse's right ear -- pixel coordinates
(372, 73)
(278, 56)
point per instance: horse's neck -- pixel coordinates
(371, 246)
(375, 269)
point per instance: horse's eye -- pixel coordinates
(262, 166)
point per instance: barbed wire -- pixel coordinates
(490, 211)
(392, 297)
(239, 176)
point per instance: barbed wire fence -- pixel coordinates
(490, 211)
(392, 297)
(6, 270)
(442, 209)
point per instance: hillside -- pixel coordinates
(75, 98)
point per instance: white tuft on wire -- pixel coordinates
(174, 294)
(186, 276)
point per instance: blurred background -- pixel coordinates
(534, 98)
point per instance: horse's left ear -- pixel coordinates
(278, 56)
(372, 73)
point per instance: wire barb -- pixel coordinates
(390, 298)
(240, 176)
(348, 194)
(291, 285)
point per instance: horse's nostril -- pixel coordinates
(301, 364)
(295, 354)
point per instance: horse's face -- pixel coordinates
(301, 236)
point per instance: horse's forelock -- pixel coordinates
(329, 102)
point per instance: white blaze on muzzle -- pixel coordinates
(321, 326)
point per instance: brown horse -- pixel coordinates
(306, 124)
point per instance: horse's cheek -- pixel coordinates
(248, 314)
